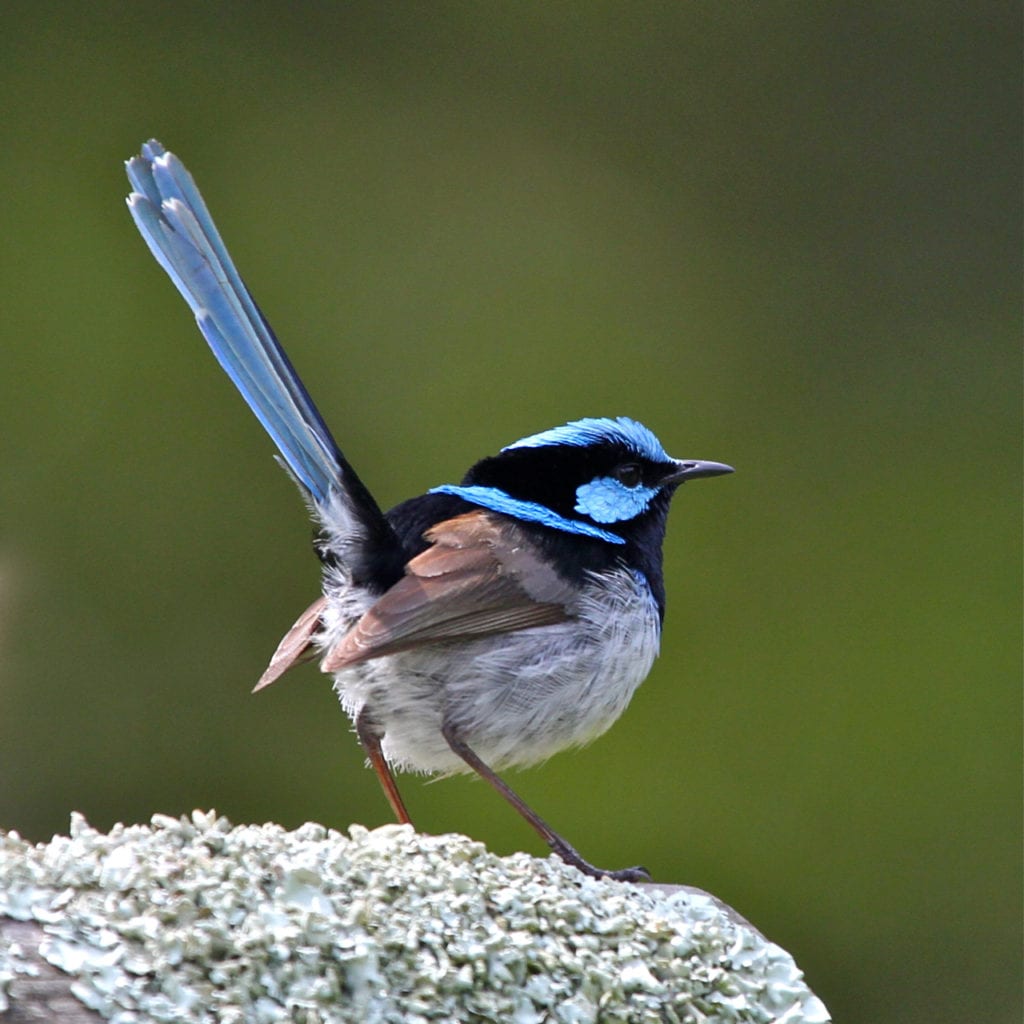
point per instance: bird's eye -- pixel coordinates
(628, 474)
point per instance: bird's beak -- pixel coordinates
(691, 469)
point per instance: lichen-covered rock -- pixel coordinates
(195, 920)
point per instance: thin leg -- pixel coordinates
(370, 739)
(544, 830)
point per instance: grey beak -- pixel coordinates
(692, 469)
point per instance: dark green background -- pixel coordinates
(786, 236)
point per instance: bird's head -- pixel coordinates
(602, 478)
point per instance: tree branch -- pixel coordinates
(195, 920)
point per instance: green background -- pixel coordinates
(784, 235)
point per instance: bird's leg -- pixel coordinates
(370, 737)
(564, 850)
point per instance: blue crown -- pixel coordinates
(580, 433)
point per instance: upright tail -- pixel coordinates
(174, 221)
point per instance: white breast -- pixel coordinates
(516, 698)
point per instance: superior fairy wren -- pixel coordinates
(482, 625)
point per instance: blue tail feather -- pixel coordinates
(174, 221)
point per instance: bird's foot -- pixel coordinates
(570, 855)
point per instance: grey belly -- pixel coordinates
(515, 698)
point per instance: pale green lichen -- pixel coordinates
(194, 920)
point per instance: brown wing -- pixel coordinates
(481, 575)
(295, 645)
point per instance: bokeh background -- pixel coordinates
(786, 236)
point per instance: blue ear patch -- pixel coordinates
(607, 500)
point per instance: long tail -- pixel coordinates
(174, 221)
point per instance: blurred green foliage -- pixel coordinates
(786, 236)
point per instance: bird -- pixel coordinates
(483, 625)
